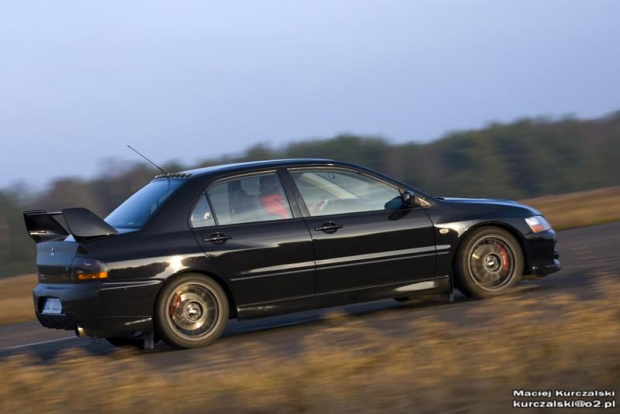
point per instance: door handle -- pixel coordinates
(217, 238)
(329, 227)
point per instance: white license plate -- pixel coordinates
(52, 306)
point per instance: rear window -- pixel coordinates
(138, 208)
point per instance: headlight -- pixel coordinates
(538, 224)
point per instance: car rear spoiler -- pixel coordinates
(80, 222)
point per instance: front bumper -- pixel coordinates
(547, 269)
(543, 257)
(101, 309)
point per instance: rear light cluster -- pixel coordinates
(88, 269)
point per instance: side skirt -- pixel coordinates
(344, 297)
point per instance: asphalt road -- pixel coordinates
(585, 253)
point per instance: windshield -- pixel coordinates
(138, 208)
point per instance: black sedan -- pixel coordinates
(190, 250)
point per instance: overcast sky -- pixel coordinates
(189, 80)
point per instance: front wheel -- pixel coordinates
(489, 263)
(191, 311)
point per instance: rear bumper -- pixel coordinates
(102, 309)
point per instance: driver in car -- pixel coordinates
(271, 196)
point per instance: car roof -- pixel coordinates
(252, 165)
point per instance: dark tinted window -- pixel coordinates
(138, 208)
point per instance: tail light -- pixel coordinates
(84, 269)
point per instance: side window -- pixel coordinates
(328, 192)
(201, 215)
(243, 200)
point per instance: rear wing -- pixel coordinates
(79, 222)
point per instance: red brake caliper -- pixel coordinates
(504, 255)
(175, 305)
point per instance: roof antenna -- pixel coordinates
(157, 166)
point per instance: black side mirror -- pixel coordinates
(408, 197)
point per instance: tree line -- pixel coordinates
(526, 158)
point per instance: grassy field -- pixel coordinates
(345, 366)
(581, 209)
(16, 299)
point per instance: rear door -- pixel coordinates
(358, 242)
(261, 244)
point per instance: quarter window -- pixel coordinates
(250, 199)
(327, 192)
(202, 215)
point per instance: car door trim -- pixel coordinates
(276, 271)
(379, 257)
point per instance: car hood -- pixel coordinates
(488, 202)
(477, 200)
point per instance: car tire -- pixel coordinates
(191, 311)
(488, 263)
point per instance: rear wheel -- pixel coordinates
(191, 311)
(489, 263)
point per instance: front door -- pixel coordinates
(358, 240)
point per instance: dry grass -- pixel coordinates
(581, 209)
(348, 367)
(16, 299)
